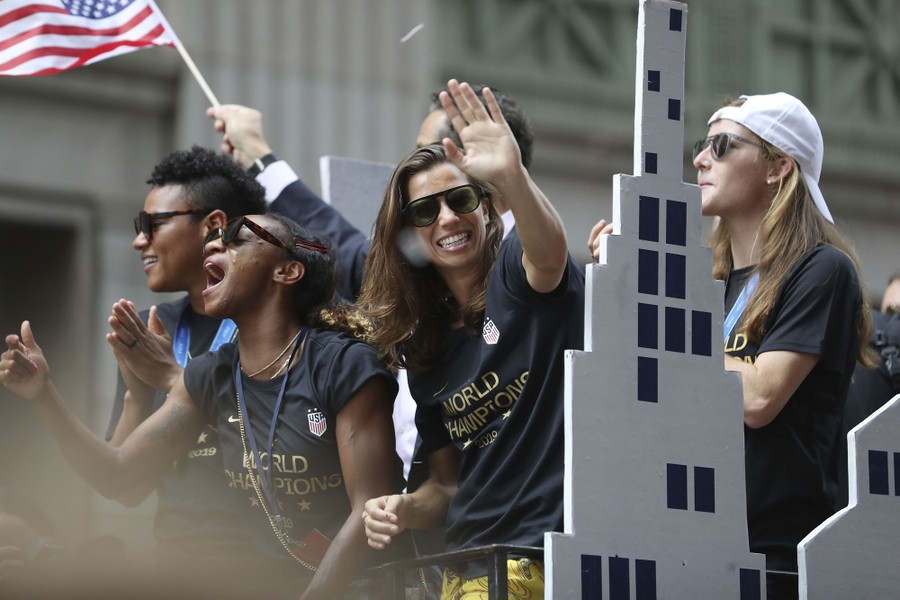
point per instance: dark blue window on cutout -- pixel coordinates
(648, 380)
(704, 489)
(674, 109)
(648, 219)
(648, 326)
(676, 486)
(653, 81)
(648, 272)
(674, 329)
(676, 223)
(619, 584)
(650, 162)
(701, 333)
(897, 473)
(751, 588)
(591, 576)
(675, 276)
(674, 19)
(645, 579)
(878, 472)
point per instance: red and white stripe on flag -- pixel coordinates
(41, 37)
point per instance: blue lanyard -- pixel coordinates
(739, 305)
(263, 474)
(182, 344)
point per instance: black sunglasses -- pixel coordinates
(422, 212)
(143, 223)
(233, 226)
(720, 143)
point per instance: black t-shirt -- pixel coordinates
(498, 398)
(791, 463)
(195, 525)
(306, 470)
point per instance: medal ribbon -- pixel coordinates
(182, 343)
(262, 473)
(739, 305)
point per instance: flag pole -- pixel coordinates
(196, 73)
(185, 56)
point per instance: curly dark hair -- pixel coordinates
(514, 115)
(314, 298)
(210, 181)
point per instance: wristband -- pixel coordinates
(259, 165)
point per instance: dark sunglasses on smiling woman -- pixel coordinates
(143, 223)
(422, 212)
(233, 226)
(720, 143)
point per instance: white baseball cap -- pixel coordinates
(787, 124)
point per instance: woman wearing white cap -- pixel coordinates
(795, 321)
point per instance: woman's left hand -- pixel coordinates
(23, 368)
(490, 152)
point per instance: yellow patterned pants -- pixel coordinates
(525, 578)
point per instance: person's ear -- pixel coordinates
(215, 220)
(290, 272)
(779, 170)
(486, 207)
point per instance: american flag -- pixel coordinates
(41, 37)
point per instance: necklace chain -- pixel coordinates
(282, 535)
(276, 359)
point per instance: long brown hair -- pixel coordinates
(411, 306)
(791, 227)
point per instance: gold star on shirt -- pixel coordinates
(202, 438)
(304, 504)
(506, 414)
(254, 501)
(466, 444)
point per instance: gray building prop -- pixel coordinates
(856, 553)
(654, 498)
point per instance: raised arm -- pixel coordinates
(365, 436)
(155, 443)
(491, 154)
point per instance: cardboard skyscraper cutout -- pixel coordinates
(856, 552)
(655, 502)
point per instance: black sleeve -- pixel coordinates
(301, 204)
(200, 376)
(512, 275)
(816, 310)
(352, 365)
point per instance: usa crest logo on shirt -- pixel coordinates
(490, 332)
(317, 423)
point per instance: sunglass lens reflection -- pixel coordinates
(461, 200)
(720, 144)
(142, 225)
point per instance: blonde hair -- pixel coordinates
(411, 307)
(791, 227)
